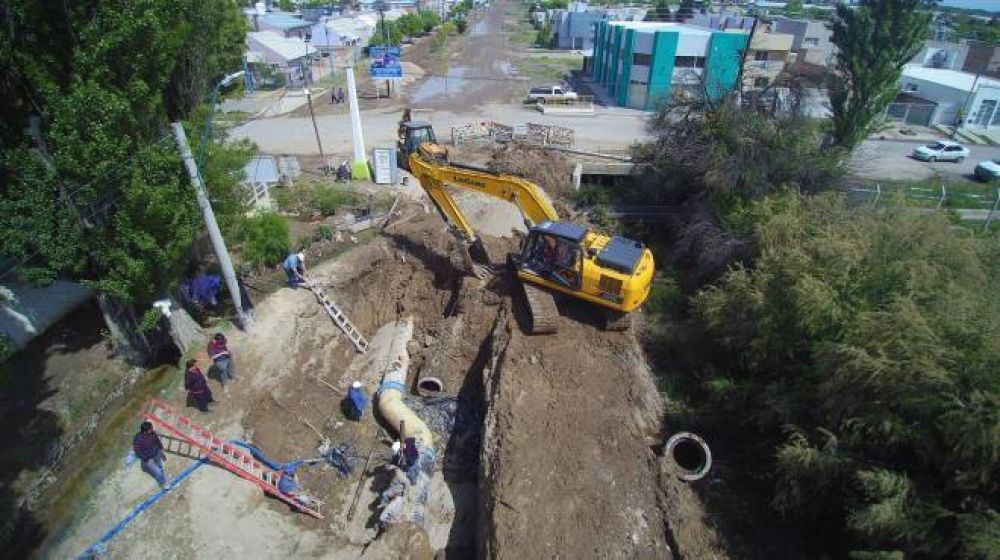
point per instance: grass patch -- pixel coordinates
(308, 200)
(548, 68)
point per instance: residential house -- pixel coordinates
(283, 23)
(811, 41)
(941, 54)
(983, 58)
(931, 96)
(411, 6)
(642, 63)
(766, 58)
(270, 53)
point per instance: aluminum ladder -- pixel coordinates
(231, 457)
(353, 334)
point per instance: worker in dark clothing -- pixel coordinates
(218, 350)
(340, 95)
(197, 386)
(149, 449)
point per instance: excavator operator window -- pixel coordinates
(420, 135)
(556, 258)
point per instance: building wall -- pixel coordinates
(575, 30)
(662, 68)
(949, 99)
(722, 67)
(811, 39)
(638, 66)
(983, 58)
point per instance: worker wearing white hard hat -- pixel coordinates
(295, 268)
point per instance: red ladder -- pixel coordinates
(221, 452)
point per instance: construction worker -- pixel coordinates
(197, 386)
(295, 268)
(221, 358)
(357, 401)
(149, 449)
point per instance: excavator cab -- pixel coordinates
(418, 137)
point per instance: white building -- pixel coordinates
(952, 93)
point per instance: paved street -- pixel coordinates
(891, 160)
(294, 135)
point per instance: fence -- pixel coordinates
(966, 205)
(538, 134)
(911, 113)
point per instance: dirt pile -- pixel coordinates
(546, 168)
(567, 464)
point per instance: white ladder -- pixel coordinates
(353, 334)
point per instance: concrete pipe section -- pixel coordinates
(430, 386)
(406, 497)
(690, 453)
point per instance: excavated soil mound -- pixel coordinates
(549, 170)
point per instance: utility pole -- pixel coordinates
(312, 115)
(245, 320)
(359, 167)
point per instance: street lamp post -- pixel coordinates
(195, 172)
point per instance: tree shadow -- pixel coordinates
(30, 440)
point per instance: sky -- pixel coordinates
(991, 5)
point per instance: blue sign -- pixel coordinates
(385, 62)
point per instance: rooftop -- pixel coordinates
(289, 49)
(284, 20)
(952, 78)
(661, 26)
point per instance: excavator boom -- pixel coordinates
(434, 176)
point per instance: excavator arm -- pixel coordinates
(434, 176)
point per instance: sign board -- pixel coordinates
(385, 63)
(384, 162)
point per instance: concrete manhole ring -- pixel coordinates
(689, 452)
(430, 386)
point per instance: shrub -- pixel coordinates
(326, 199)
(323, 233)
(265, 239)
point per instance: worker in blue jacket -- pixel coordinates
(357, 401)
(295, 268)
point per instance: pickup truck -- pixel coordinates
(550, 92)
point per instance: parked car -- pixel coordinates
(944, 150)
(987, 171)
(550, 92)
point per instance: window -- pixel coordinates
(810, 42)
(689, 62)
(910, 87)
(953, 149)
(760, 82)
(642, 59)
(760, 55)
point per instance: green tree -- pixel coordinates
(286, 5)
(874, 41)
(793, 7)
(97, 193)
(860, 351)
(429, 19)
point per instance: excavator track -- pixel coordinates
(542, 311)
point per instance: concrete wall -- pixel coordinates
(949, 99)
(575, 30)
(34, 309)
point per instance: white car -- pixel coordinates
(942, 151)
(987, 171)
(550, 92)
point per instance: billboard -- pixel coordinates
(385, 62)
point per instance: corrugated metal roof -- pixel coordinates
(261, 169)
(284, 21)
(287, 48)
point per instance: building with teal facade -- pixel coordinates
(642, 63)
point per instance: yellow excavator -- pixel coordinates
(555, 257)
